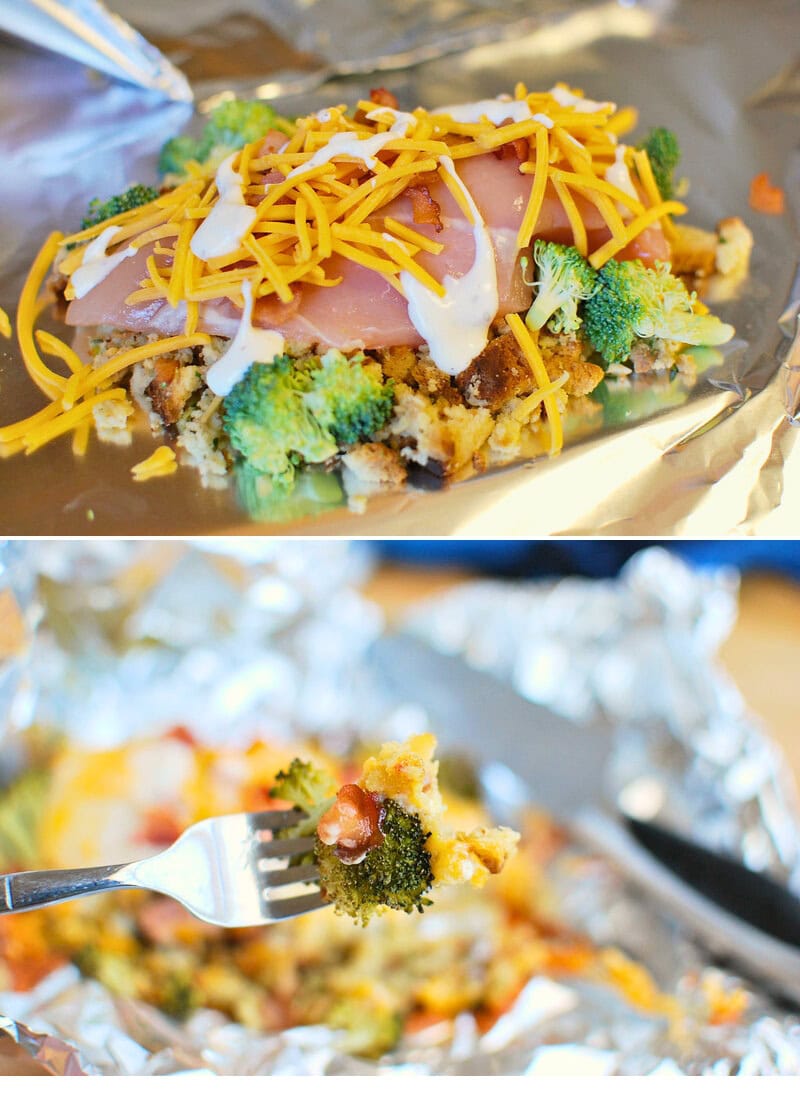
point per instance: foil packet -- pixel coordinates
(692, 455)
(106, 614)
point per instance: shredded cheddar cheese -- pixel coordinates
(160, 463)
(5, 324)
(527, 342)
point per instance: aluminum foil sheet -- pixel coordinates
(577, 646)
(695, 457)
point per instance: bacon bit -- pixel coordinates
(426, 209)
(384, 98)
(181, 734)
(517, 148)
(272, 142)
(352, 824)
(160, 827)
(765, 196)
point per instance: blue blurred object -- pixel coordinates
(590, 557)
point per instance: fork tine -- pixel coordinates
(306, 872)
(275, 819)
(286, 846)
(295, 907)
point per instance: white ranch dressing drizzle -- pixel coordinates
(249, 345)
(96, 265)
(230, 220)
(496, 110)
(584, 106)
(619, 175)
(456, 326)
(358, 148)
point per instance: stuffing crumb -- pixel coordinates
(734, 247)
(111, 422)
(199, 434)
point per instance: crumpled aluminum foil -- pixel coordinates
(654, 457)
(91, 609)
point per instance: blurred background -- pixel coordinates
(762, 653)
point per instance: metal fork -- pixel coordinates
(229, 870)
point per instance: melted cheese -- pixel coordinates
(249, 345)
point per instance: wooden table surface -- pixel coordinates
(762, 654)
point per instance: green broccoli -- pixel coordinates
(232, 124)
(102, 209)
(396, 874)
(565, 279)
(289, 412)
(369, 1028)
(304, 785)
(270, 424)
(349, 398)
(664, 154)
(632, 301)
(236, 122)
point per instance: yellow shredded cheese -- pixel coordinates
(5, 324)
(159, 464)
(530, 350)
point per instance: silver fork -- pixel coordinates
(229, 870)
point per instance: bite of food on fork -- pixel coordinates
(378, 842)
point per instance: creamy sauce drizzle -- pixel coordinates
(619, 175)
(96, 265)
(230, 220)
(249, 345)
(356, 148)
(584, 106)
(456, 326)
(496, 110)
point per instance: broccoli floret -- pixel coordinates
(664, 154)
(178, 151)
(230, 126)
(289, 412)
(565, 279)
(309, 789)
(632, 301)
(304, 785)
(369, 1029)
(349, 398)
(236, 122)
(396, 874)
(100, 210)
(270, 424)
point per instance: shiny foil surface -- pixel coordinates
(94, 621)
(691, 457)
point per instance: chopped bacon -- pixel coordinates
(182, 734)
(272, 142)
(160, 827)
(765, 196)
(426, 209)
(384, 98)
(517, 148)
(353, 824)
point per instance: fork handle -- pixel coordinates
(35, 889)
